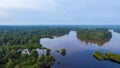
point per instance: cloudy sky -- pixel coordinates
(60, 12)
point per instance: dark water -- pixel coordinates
(79, 53)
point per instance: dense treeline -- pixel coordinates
(98, 35)
(107, 56)
(17, 35)
(13, 39)
(12, 58)
(117, 30)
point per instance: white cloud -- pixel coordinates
(29, 4)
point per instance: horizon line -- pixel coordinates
(59, 25)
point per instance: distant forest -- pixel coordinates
(14, 39)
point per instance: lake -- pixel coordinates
(79, 53)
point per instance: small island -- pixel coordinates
(63, 52)
(107, 56)
(97, 36)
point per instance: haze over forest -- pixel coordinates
(59, 33)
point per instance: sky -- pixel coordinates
(59, 12)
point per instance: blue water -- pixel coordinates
(79, 53)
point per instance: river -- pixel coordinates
(79, 53)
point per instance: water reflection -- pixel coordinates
(68, 40)
(79, 53)
(101, 40)
(99, 43)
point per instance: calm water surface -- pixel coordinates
(79, 53)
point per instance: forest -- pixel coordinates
(97, 35)
(14, 39)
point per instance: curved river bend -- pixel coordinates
(79, 53)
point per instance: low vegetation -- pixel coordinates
(62, 51)
(107, 56)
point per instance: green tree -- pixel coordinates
(10, 64)
(63, 52)
(48, 51)
(34, 53)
